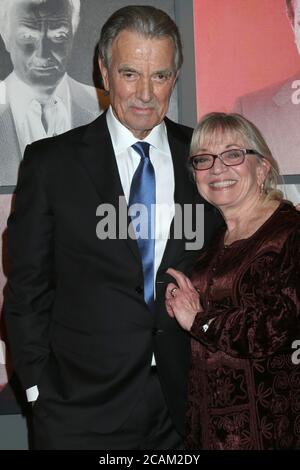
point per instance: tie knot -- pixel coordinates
(142, 148)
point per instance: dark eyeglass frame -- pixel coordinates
(215, 156)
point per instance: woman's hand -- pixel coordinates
(182, 300)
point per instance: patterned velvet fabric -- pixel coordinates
(244, 389)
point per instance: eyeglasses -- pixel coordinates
(205, 161)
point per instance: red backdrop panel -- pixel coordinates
(240, 46)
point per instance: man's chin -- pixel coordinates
(144, 123)
(48, 78)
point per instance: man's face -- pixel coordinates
(40, 40)
(296, 25)
(140, 79)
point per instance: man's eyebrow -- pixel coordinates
(33, 21)
(126, 67)
(30, 23)
(164, 71)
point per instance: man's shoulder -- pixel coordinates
(86, 94)
(7, 129)
(79, 86)
(67, 142)
(277, 93)
(179, 131)
(71, 136)
(86, 99)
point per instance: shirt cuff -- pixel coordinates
(2, 352)
(32, 393)
(153, 361)
(201, 323)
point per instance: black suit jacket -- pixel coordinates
(78, 324)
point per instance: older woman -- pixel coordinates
(241, 304)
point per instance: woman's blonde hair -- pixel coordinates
(214, 125)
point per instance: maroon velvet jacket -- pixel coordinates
(244, 389)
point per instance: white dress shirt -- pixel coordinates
(27, 110)
(160, 155)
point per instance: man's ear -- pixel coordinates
(104, 74)
(176, 78)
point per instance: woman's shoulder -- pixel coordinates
(282, 227)
(287, 217)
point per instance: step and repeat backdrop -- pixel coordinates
(247, 61)
(247, 55)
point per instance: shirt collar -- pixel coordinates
(20, 94)
(122, 138)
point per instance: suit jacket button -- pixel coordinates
(139, 290)
(157, 331)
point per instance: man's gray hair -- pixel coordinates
(145, 20)
(4, 11)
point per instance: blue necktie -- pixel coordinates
(142, 192)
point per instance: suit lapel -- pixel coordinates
(97, 157)
(10, 153)
(183, 187)
(179, 150)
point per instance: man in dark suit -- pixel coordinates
(38, 98)
(90, 337)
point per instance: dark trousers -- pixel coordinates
(148, 427)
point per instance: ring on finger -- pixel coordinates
(173, 291)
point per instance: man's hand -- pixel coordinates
(182, 300)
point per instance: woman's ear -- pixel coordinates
(263, 170)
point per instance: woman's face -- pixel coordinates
(230, 186)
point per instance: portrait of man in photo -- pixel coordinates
(276, 112)
(38, 98)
